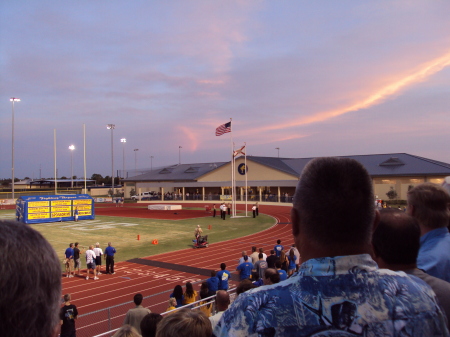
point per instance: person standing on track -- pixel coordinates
(109, 257)
(69, 260)
(214, 210)
(67, 315)
(90, 262)
(98, 258)
(76, 258)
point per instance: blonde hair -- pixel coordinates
(172, 302)
(127, 331)
(185, 323)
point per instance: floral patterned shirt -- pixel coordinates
(337, 296)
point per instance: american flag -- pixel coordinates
(224, 128)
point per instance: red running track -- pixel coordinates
(131, 278)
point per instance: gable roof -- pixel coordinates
(389, 164)
(180, 172)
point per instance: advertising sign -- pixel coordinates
(53, 208)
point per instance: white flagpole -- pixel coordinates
(233, 180)
(232, 163)
(84, 157)
(246, 186)
(54, 154)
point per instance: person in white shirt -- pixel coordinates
(254, 255)
(261, 250)
(222, 303)
(98, 258)
(241, 260)
(90, 262)
(224, 213)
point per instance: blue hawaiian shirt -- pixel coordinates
(434, 253)
(339, 296)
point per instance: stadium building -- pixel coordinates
(272, 179)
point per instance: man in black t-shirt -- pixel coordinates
(271, 259)
(67, 316)
(76, 258)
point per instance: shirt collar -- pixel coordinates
(434, 233)
(329, 266)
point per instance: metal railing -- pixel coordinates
(197, 305)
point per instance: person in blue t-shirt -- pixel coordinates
(68, 254)
(223, 276)
(278, 248)
(281, 272)
(429, 203)
(213, 283)
(109, 257)
(245, 269)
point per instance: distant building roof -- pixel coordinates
(180, 172)
(43, 181)
(390, 164)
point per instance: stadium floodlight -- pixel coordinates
(123, 141)
(71, 148)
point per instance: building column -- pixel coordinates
(260, 194)
(279, 194)
(183, 195)
(242, 191)
(162, 193)
(203, 193)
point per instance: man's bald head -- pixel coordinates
(222, 300)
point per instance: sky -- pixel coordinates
(312, 78)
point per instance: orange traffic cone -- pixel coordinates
(155, 242)
(209, 227)
(138, 237)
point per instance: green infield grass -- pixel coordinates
(123, 233)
